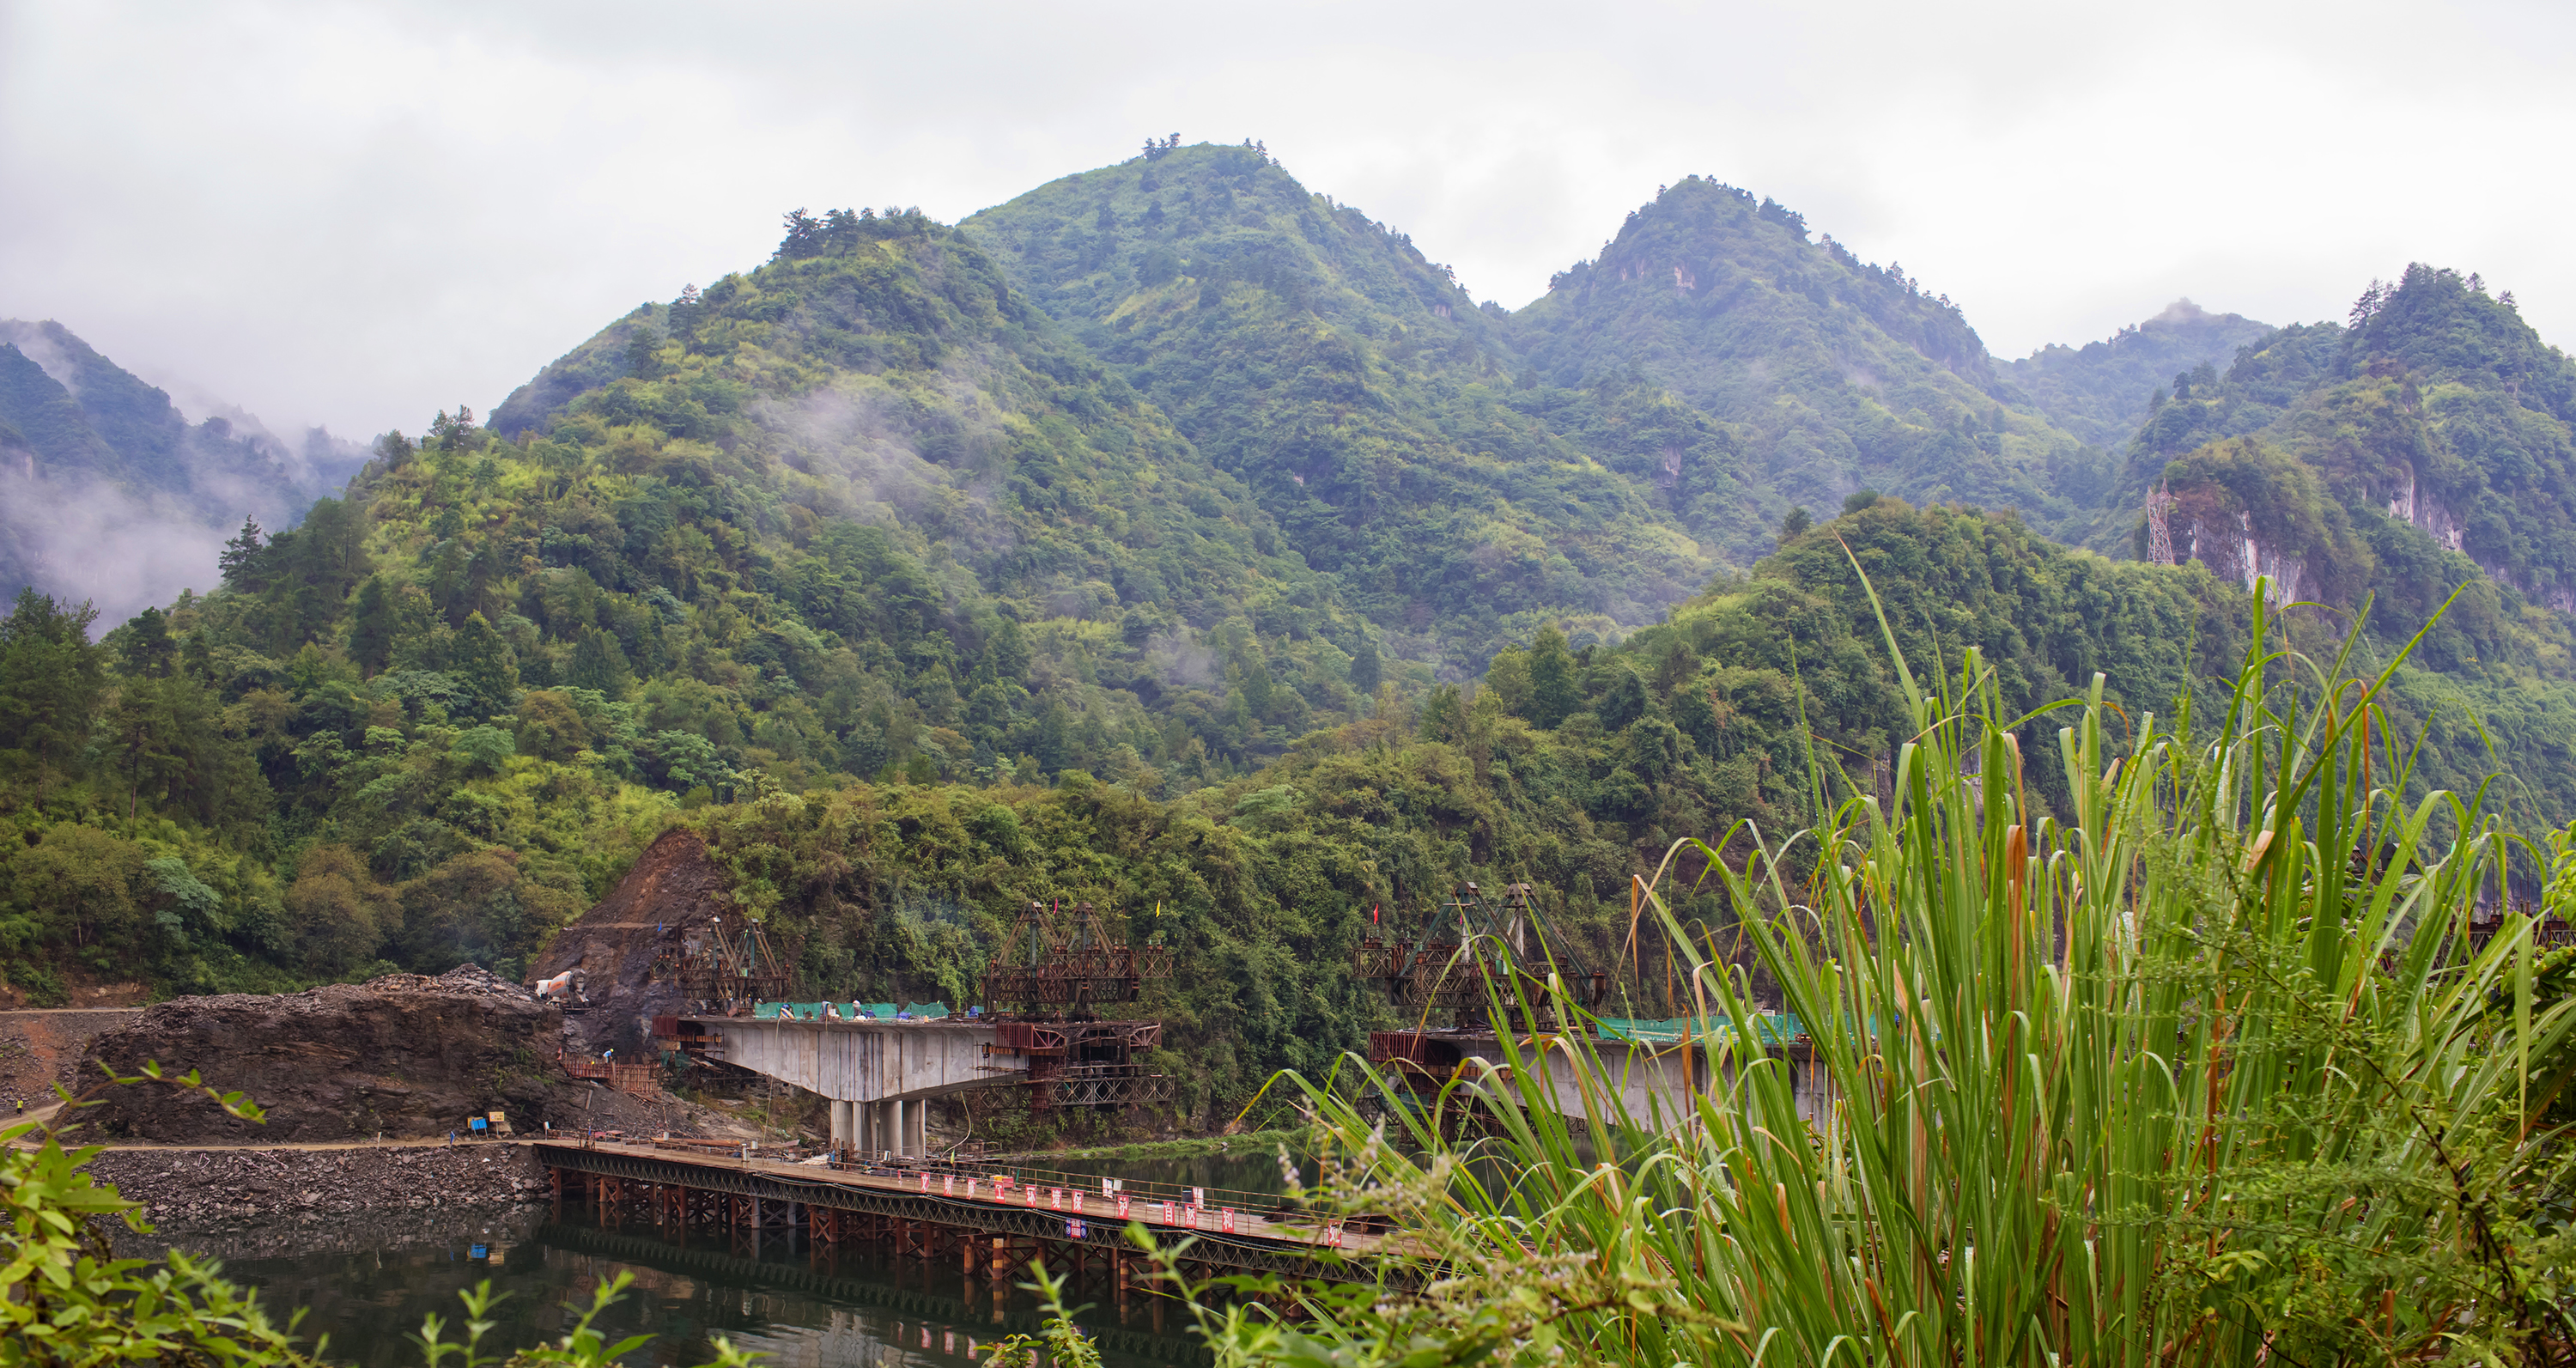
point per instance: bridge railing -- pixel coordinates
(1271, 1206)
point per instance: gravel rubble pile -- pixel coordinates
(213, 1184)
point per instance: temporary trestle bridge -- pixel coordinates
(996, 1225)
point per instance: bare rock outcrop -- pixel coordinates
(672, 894)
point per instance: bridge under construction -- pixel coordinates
(1478, 958)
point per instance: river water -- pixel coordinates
(367, 1281)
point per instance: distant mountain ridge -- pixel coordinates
(1454, 476)
(2103, 391)
(113, 494)
(2426, 442)
(1458, 474)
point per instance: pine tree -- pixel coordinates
(448, 589)
(197, 658)
(643, 354)
(242, 561)
(149, 651)
(598, 663)
(1366, 669)
(50, 681)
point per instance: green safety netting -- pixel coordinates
(1773, 1028)
(881, 1011)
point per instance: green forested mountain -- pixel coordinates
(2102, 392)
(1174, 538)
(2436, 409)
(1843, 375)
(1372, 409)
(97, 466)
(965, 523)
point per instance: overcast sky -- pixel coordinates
(360, 214)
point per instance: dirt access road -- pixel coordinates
(42, 1046)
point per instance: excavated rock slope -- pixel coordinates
(403, 1055)
(673, 889)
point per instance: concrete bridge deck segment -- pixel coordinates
(878, 1075)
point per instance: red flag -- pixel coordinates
(1373, 914)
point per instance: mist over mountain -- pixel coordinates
(109, 493)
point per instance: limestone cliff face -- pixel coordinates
(405, 1055)
(671, 895)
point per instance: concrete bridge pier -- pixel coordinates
(897, 1126)
(879, 1076)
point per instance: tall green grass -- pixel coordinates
(2199, 1067)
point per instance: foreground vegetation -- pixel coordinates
(2204, 1067)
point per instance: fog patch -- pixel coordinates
(845, 443)
(84, 539)
(888, 458)
(44, 351)
(1181, 663)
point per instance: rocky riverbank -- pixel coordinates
(198, 1185)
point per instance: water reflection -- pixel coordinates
(366, 1282)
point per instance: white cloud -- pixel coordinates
(359, 215)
